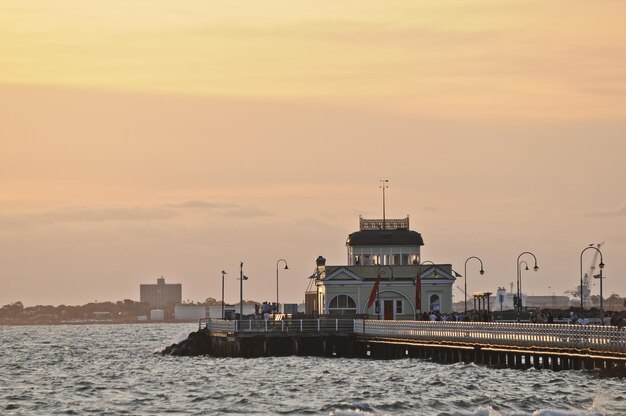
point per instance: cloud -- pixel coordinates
(248, 212)
(203, 204)
(616, 212)
(88, 215)
(224, 209)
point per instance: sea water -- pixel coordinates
(116, 370)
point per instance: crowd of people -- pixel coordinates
(537, 317)
(474, 316)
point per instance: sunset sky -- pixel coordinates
(147, 138)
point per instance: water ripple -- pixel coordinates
(112, 370)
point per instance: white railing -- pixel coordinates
(284, 325)
(606, 338)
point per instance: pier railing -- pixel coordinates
(604, 338)
(277, 326)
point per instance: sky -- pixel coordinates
(142, 139)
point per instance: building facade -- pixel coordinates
(406, 287)
(161, 294)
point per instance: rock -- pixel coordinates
(197, 343)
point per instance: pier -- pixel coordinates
(496, 344)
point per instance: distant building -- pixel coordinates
(157, 315)
(161, 294)
(189, 312)
(390, 249)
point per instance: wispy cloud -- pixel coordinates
(248, 212)
(88, 215)
(616, 212)
(203, 205)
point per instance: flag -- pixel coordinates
(418, 292)
(374, 291)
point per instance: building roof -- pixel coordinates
(399, 273)
(400, 237)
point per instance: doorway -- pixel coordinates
(388, 309)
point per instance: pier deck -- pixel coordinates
(498, 344)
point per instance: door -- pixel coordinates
(388, 310)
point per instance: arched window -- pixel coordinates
(342, 305)
(435, 304)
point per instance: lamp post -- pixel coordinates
(519, 280)
(286, 268)
(599, 276)
(241, 279)
(482, 271)
(601, 265)
(419, 274)
(378, 288)
(223, 273)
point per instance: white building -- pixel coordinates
(189, 312)
(406, 288)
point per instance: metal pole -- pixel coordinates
(581, 283)
(241, 290)
(482, 271)
(378, 300)
(601, 305)
(384, 182)
(581, 277)
(286, 267)
(223, 273)
(519, 281)
(277, 307)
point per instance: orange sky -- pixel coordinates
(142, 139)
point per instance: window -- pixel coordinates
(366, 260)
(405, 259)
(414, 258)
(357, 260)
(342, 305)
(399, 306)
(396, 259)
(435, 304)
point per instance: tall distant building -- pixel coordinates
(161, 294)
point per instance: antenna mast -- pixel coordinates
(383, 185)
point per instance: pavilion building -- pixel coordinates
(406, 288)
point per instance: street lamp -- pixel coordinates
(601, 265)
(482, 271)
(519, 280)
(378, 287)
(241, 279)
(223, 273)
(286, 268)
(599, 276)
(418, 285)
(434, 265)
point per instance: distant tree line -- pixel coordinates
(122, 311)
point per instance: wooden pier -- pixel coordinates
(504, 345)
